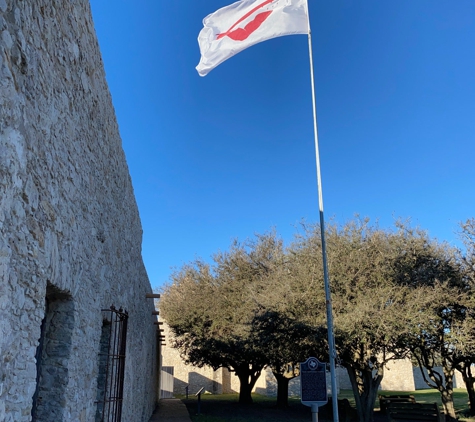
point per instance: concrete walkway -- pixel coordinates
(170, 410)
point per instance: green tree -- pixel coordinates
(368, 305)
(437, 337)
(288, 336)
(210, 309)
(436, 307)
(467, 256)
(466, 260)
(286, 342)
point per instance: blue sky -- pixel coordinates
(232, 154)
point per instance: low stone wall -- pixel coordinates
(399, 375)
(420, 384)
(70, 233)
(216, 382)
(191, 376)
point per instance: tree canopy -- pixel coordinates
(210, 309)
(395, 293)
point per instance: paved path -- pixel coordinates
(170, 410)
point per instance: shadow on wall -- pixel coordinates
(197, 381)
(220, 383)
(179, 386)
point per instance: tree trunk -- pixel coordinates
(471, 395)
(445, 385)
(356, 393)
(245, 390)
(282, 390)
(469, 381)
(448, 404)
(365, 390)
(443, 382)
(447, 395)
(247, 379)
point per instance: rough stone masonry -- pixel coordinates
(70, 233)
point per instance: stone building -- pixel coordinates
(215, 382)
(70, 233)
(400, 375)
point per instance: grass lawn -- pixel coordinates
(431, 396)
(225, 407)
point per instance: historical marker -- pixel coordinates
(313, 383)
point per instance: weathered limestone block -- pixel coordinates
(398, 375)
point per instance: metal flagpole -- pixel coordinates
(331, 340)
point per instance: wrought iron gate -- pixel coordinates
(111, 405)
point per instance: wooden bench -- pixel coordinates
(400, 398)
(413, 412)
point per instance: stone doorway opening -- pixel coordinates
(52, 356)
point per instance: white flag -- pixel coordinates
(240, 25)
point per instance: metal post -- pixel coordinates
(331, 340)
(198, 394)
(314, 413)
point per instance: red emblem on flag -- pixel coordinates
(241, 34)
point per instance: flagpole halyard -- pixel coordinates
(331, 339)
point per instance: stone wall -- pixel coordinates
(216, 382)
(267, 384)
(70, 233)
(422, 385)
(398, 376)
